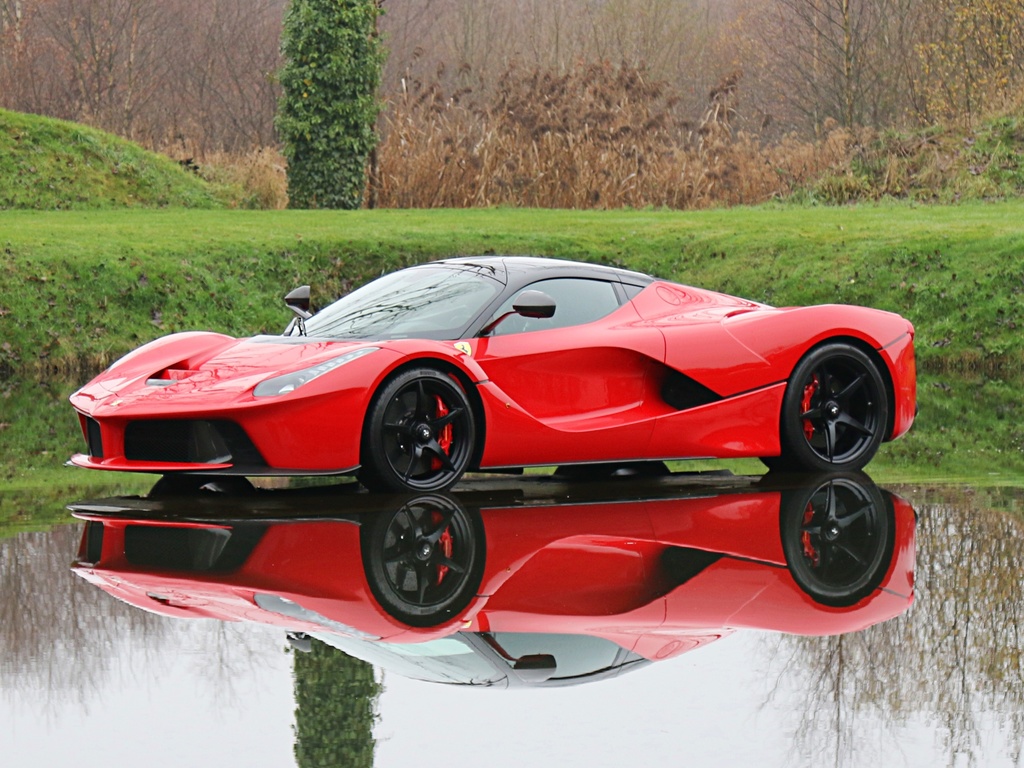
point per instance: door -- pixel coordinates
(576, 387)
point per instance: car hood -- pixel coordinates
(274, 354)
(177, 366)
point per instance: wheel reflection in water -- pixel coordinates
(837, 537)
(424, 562)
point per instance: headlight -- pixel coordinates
(289, 382)
(282, 606)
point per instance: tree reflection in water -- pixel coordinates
(48, 617)
(62, 640)
(335, 708)
(954, 662)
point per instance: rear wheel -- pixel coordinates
(834, 413)
(419, 433)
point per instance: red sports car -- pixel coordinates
(511, 587)
(497, 363)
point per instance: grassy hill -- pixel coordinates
(88, 288)
(935, 164)
(50, 164)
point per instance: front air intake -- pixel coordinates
(93, 438)
(190, 441)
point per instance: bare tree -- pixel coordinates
(849, 61)
(229, 87)
(972, 59)
(112, 55)
(153, 71)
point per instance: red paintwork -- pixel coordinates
(583, 568)
(586, 393)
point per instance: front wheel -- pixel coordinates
(834, 413)
(419, 433)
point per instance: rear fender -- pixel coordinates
(783, 337)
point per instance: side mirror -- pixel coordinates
(535, 668)
(534, 304)
(298, 302)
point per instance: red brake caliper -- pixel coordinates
(444, 437)
(445, 543)
(805, 538)
(805, 405)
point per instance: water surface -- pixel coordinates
(939, 682)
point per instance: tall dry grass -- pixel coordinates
(598, 136)
(255, 179)
(602, 136)
(260, 174)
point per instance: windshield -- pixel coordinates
(470, 659)
(427, 302)
(445, 660)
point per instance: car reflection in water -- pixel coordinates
(542, 583)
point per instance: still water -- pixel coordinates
(697, 620)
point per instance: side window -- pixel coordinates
(577, 301)
(632, 291)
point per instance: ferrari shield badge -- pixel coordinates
(464, 348)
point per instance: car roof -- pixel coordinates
(540, 267)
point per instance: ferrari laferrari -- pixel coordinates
(502, 362)
(542, 584)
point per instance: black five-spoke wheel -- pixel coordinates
(419, 433)
(837, 534)
(424, 562)
(835, 411)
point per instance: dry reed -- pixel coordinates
(597, 136)
(256, 179)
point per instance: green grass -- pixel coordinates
(50, 164)
(90, 286)
(38, 433)
(82, 288)
(44, 505)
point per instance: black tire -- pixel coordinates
(834, 413)
(419, 433)
(424, 562)
(838, 537)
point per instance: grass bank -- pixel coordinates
(81, 288)
(85, 287)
